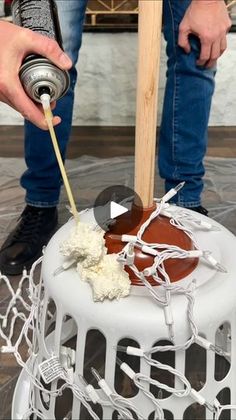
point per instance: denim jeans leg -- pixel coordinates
(187, 101)
(42, 179)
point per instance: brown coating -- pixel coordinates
(159, 231)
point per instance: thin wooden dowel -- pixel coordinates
(149, 45)
(232, 3)
(48, 116)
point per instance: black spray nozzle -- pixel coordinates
(44, 90)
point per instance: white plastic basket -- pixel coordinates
(79, 324)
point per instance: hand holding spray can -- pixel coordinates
(38, 75)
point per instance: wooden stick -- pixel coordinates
(48, 116)
(149, 39)
(232, 3)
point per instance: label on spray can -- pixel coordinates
(39, 16)
(38, 73)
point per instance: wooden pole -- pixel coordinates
(149, 45)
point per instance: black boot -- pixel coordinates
(24, 244)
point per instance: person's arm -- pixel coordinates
(15, 44)
(209, 20)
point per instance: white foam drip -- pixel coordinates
(103, 272)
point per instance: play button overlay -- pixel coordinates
(118, 205)
(117, 210)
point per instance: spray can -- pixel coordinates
(37, 74)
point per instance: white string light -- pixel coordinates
(31, 314)
(122, 405)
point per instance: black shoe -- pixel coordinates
(24, 244)
(199, 209)
(7, 8)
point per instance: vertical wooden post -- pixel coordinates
(149, 45)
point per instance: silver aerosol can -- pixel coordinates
(38, 75)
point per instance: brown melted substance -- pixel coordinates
(159, 231)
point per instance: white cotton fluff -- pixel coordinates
(108, 279)
(102, 271)
(85, 245)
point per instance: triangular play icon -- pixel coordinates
(116, 210)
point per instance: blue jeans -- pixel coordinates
(42, 180)
(183, 133)
(187, 102)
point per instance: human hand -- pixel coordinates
(210, 22)
(16, 44)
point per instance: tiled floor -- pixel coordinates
(88, 177)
